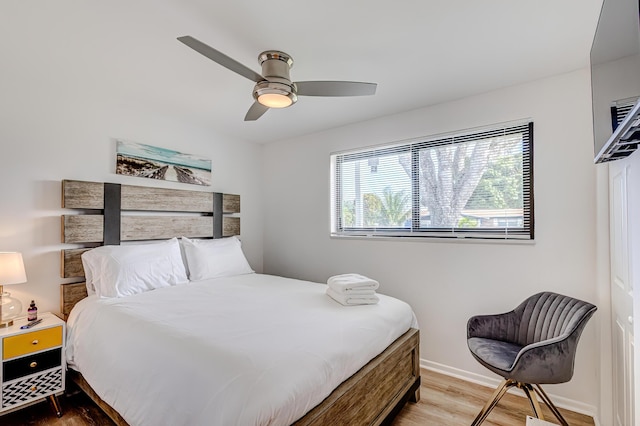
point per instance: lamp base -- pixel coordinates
(10, 309)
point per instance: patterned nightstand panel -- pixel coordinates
(32, 387)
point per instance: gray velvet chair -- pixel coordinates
(533, 344)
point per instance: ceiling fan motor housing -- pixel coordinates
(275, 68)
(275, 64)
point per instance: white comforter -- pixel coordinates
(247, 350)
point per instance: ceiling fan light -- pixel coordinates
(275, 100)
(275, 94)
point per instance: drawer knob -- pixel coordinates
(33, 388)
(35, 342)
(33, 364)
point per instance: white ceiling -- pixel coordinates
(420, 52)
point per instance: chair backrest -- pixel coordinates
(548, 315)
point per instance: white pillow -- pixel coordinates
(88, 276)
(117, 271)
(216, 258)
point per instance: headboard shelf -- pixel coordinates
(90, 228)
(71, 263)
(70, 294)
(82, 228)
(91, 196)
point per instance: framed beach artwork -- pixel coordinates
(137, 159)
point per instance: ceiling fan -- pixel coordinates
(274, 88)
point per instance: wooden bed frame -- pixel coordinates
(113, 213)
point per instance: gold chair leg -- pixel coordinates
(551, 405)
(491, 403)
(535, 406)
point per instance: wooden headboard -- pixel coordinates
(112, 213)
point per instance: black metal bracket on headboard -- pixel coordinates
(112, 212)
(217, 215)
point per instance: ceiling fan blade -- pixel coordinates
(335, 88)
(221, 58)
(256, 111)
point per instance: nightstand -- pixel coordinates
(33, 363)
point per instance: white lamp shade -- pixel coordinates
(12, 268)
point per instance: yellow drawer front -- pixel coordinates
(31, 342)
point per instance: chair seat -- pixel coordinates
(496, 355)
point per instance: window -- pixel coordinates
(477, 184)
(620, 109)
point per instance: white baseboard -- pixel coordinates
(491, 382)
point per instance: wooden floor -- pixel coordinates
(445, 401)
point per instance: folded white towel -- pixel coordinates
(351, 300)
(356, 293)
(345, 283)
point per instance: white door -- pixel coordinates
(621, 293)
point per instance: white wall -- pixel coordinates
(447, 282)
(59, 113)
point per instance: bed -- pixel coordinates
(293, 364)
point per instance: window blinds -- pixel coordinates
(476, 184)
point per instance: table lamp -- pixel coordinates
(11, 272)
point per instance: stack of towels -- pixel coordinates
(353, 289)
